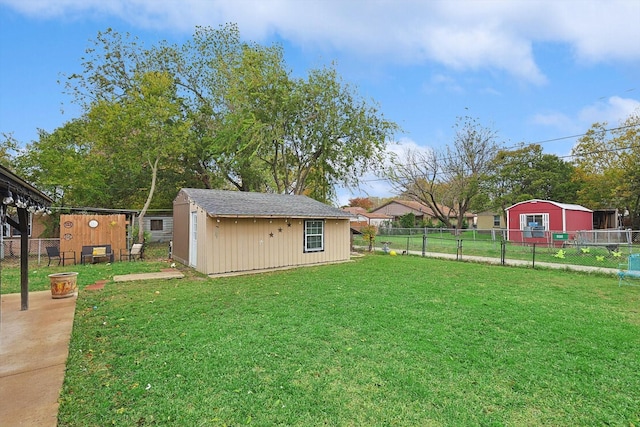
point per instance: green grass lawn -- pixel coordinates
(378, 341)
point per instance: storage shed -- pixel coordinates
(220, 232)
(534, 221)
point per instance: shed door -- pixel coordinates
(193, 239)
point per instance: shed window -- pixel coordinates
(534, 220)
(313, 235)
(156, 225)
(534, 225)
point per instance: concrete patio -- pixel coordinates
(34, 345)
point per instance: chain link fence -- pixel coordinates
(10, 250)
(598, 248)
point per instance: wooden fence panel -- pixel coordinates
(77, 231)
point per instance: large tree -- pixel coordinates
(447, 181)
(201, 71)
(527, 173)
(144, 128)
(8, 148)
(607, 163)
(256, 99)
(61, 165)
(253, 127)
(296, 136)
(361, 202)
(334, 136)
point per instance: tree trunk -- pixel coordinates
(154, 175)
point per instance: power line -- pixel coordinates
(523, 144)
(572, 136)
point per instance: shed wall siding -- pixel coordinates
(235, 245)
(578, 221)
(556, 221)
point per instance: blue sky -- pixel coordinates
(533, 70)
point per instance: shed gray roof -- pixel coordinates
(245, 204)
(565, 206)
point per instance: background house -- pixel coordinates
(488, 220)
(534, 220)
(159, 224)
(218, 232)
(37, 225)
(398, 208)
(362, 218)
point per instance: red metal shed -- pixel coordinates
(535, 220)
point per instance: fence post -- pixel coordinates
(408, 245)
(424, 244)
(533, 265)
(459, 250)
(503, 251)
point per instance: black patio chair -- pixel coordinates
(53, 253)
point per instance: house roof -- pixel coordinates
(487, 213)
(377, 215)
(222, 203)
(356, 210)
(419, 207)
(565, 206)
(416, 206)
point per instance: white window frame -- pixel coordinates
(313, 233)
(525, 223)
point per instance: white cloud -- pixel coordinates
(403, 145)
(441, 81)
(553, 119)
(75, 9)
(462, 35)
(597, 30)
(490, 91)
(477, 48)
(614, 111)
